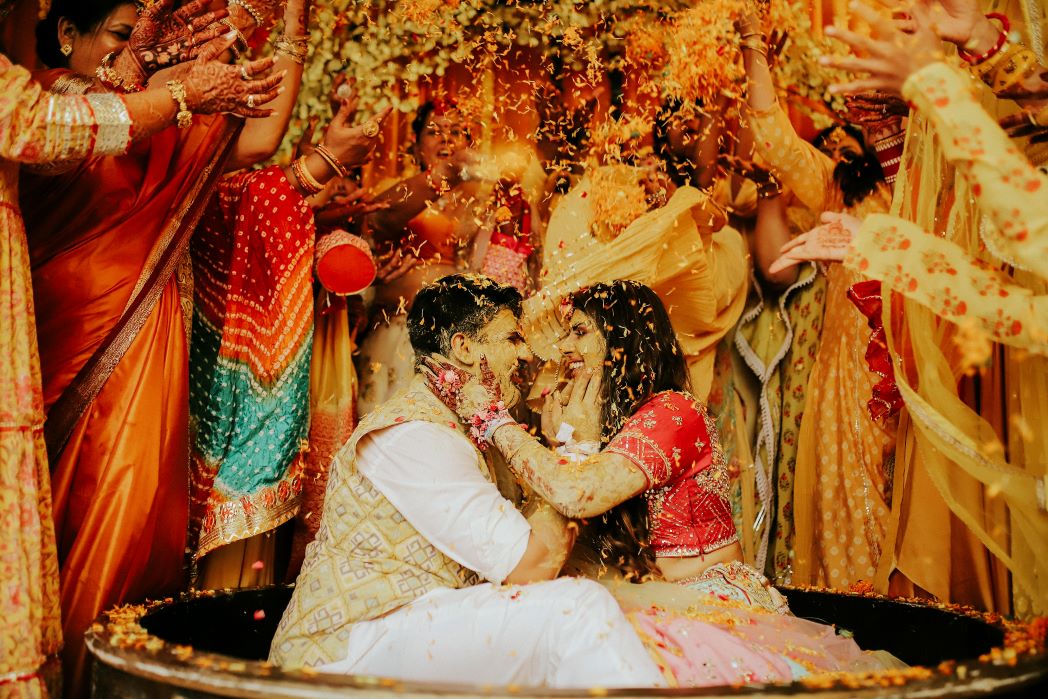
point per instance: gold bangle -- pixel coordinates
(255, 14)
(331, 159)
(296, 48)
(305, 177)
(184, 118)
(240, 45)
(108, 76)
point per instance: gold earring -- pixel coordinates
(66, 49)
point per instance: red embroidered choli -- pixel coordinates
(674, 442)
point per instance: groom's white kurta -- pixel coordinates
(564, 633)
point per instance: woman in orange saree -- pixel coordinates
(106, 239)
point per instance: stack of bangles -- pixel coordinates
(889, 153)
(294, 47)
(306, 181)
(758, 45)
(332, 160)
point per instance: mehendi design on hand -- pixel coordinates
(162, 38)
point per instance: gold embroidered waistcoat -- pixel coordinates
(367, 559)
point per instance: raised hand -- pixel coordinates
(446, 380)
(889, 55)
(956, 21)
(162, 38)
(213, 87)
(353, 145)
(348, 208)
(393, 265)
(748, 169)
(305, 141)
(828, 242)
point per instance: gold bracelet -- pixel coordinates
(240, 45)
(295, 48)
(112, 79)
(305, 177)
(761, 49)
(255, 14)
(177, 89)
(331, 159)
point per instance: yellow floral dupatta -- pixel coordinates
(991, 477)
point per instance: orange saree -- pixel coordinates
(120, 475)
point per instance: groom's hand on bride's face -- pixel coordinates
(581, 405)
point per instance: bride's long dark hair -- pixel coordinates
(643, 358)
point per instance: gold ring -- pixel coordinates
(250, 101)
(244, 74)
(371, 129)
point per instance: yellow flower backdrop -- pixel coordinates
(395, 51)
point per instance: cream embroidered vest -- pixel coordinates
(367, 560)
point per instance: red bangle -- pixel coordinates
(1002, 39)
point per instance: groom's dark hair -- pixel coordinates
(459, 303)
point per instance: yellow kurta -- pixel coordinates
(841, 486)
(1012, 309)
(35, 127)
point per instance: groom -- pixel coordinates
(421, 569)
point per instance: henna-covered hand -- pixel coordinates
(581, 405)
(1026, 91)
(875, 109)
(213, 86)
(162, 38)
(340, 211)
(828, 242)
(1021, 124)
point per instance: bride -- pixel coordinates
(639, 455)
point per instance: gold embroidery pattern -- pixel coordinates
(645, 452)
(367, 559)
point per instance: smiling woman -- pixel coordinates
(85, 31)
